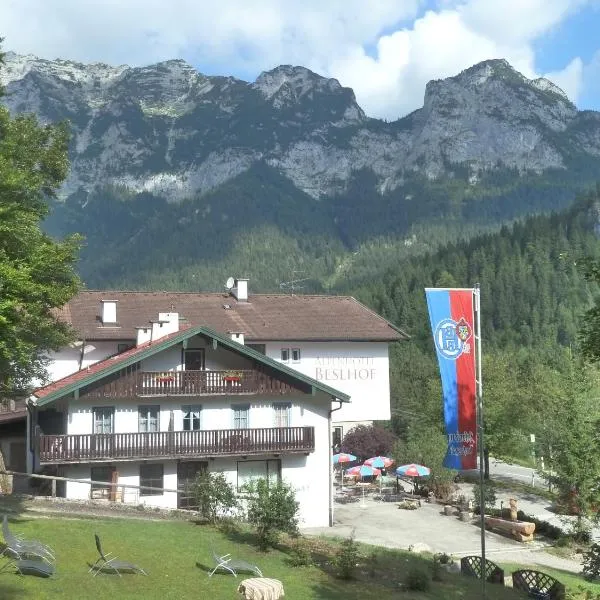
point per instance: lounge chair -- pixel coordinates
(112, 564)
(18, 548)
(29, 567)
(233, 566)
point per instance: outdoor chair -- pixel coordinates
(233, 566)
(471, 566)
(18, 548)
(106, 562)
(28, 566)
(538, 585)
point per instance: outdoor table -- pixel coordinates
(261, 588)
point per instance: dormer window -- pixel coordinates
(285, 355)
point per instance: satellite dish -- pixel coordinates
(230, 283)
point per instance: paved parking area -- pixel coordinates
(384, 524)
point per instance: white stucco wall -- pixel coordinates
(309, 474)
(66, 361)
(360, 369)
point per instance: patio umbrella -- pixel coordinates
(363, 471)
(340, 458)
(381, 462)
(413, 470)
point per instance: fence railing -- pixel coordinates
(189, 383)
(174, 444)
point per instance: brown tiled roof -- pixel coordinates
(264, 317)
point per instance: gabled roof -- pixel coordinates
(264, 317)
(108, 366)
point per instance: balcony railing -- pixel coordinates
(189, 383)
(174, 444)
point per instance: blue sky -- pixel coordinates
(386, 50)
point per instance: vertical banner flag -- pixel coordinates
(451, 315)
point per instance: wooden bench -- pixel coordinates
(522, 531)
(538, 585)
(471, 566)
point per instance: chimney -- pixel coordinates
(237, 336)
(240, 290)
(166, 324)
(143, 335)
(109, 312)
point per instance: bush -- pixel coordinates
(272, 509)
(300, 554)
(346, 559)
(417, 580)
(591, 562)
(368, 440)
(215, 496)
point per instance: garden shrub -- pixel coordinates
(591, 563)
(417, 580)
(272, 510)
(215, 496)
(346, 559)
(300, 554)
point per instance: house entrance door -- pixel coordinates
(194, 360)
(186, 474)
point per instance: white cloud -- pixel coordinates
(569, 79)
(378, 47)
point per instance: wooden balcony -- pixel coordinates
(107, 447)
(189, 383)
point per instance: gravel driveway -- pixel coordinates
(384, 524)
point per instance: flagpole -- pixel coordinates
(477, 303)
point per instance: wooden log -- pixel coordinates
(520, 530)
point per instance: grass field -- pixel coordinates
(177, 557)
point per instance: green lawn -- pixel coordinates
(176, 555)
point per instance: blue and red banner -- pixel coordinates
(451, 315)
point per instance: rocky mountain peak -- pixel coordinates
(287, 85)
(493, 89)
(298, 79)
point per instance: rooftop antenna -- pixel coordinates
(292, 285)
(229, 283)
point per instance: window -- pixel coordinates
(282, 412)
(241, 417)
(124, 347)
(249, 470)
(104, 475)
(262, 348)
(104, 419)
(338, 434)
(285, 355)
(296, 355)
(148, 417)
(191, 417)
(152, 476)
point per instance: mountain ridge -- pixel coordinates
(172, 131)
